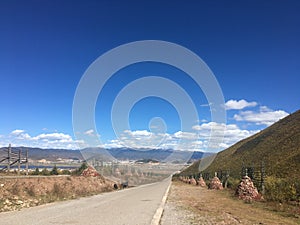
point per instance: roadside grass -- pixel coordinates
(215, 207)
(17, 193)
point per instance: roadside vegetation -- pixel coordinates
(56, 171)
(190, 204)
(23, 192)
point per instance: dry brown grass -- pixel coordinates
(18, 193)
(220, 207)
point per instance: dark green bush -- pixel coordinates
(54, 171)
(65, 172)
(45, 172)
(35, 172)
(233, 183)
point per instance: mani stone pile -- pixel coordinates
(215, 184)
(193, 181)
(90, 172)
(201, 182)
(246, 190)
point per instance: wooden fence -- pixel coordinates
(10, 157)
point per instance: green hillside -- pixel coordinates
(278, 146)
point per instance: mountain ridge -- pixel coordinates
(118, 153)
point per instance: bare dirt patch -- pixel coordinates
(17, 193)
(188, 204)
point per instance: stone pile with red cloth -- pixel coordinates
(201, 182)
(90, 172)
(215, 184)
(246, 190)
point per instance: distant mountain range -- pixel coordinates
(277, 147)
(117, 153)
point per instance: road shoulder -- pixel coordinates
(188, 204)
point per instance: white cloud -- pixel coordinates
(44, 140)
(196, 127)
(113, 144)
(53, 137)
(265, 109)
(206, 105)
(90, 133)
(17, 132)
(240, 104)
(200, 138)
(209, 126)
(264, 117)
(139, 139)
(185, 135)
(229, 134)
(20, 134)
(138, 133)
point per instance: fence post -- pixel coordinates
(262, 178)
(26, 162)
(19, 162)
(243, 169)
(226, 179)
(8, 157)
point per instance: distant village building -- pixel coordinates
(43, 161)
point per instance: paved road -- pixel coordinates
(130, 206)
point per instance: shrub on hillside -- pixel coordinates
(233, 183)
(282, 189)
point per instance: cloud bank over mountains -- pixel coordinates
(195, 139)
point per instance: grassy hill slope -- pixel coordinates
(278, 146)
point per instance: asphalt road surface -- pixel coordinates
(130, 206)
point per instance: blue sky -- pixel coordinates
(252, 47)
